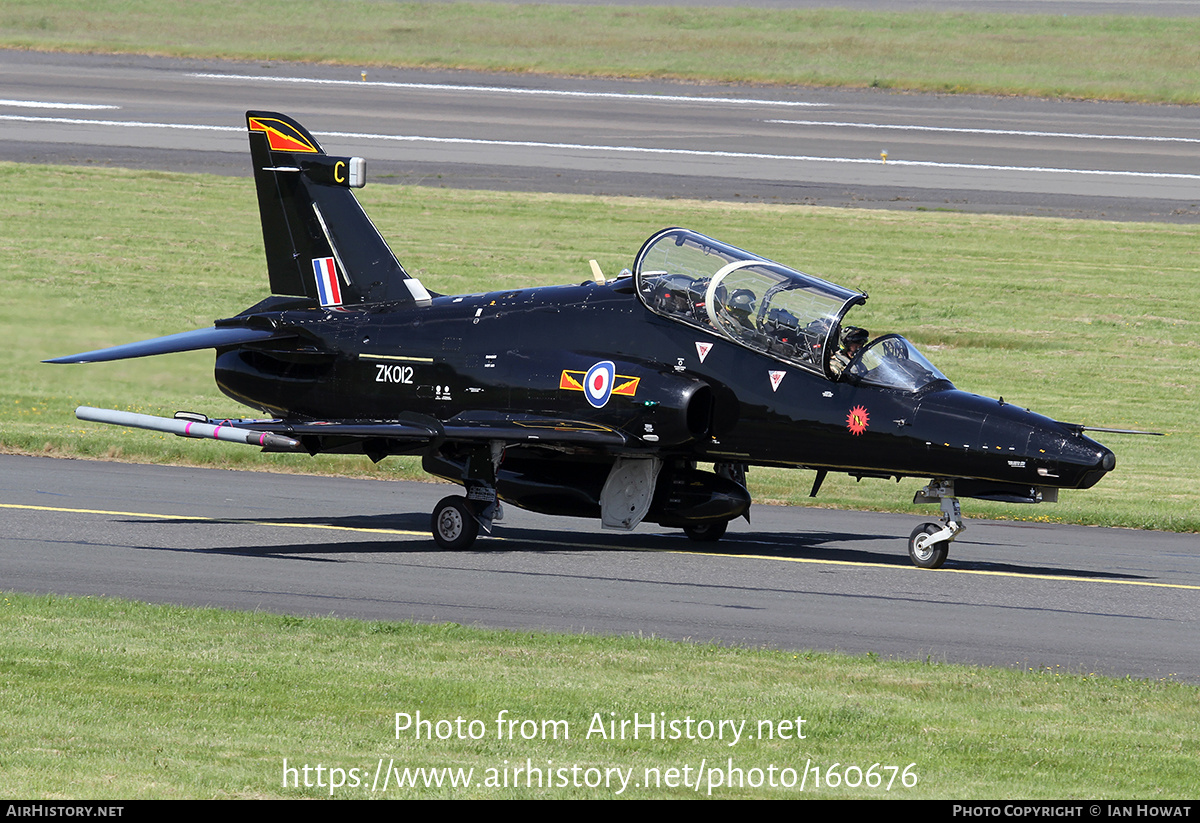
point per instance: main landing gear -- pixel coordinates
(708, 532)
(456, 520)
(454, 527)
(929, 544)
(713, 530)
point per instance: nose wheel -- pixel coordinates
(929, 544)
(927, 553)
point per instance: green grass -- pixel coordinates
(111, 699)
(1086, 321)
(1110, 57)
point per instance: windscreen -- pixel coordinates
(894, 363)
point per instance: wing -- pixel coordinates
(409, 434)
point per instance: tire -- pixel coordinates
(454, 527)
(931, 556)
(707, 532)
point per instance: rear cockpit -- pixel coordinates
(755, 302)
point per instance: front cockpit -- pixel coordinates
(769, 308)
(894, 363)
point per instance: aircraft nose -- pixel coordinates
(1079, 462)
(1024, 446)
(1106, 461)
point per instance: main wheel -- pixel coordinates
(707, 532)
(926, 555)
(454, 527)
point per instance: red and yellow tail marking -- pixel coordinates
(282, 136)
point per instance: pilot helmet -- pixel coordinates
(742, 301)
(854, 336)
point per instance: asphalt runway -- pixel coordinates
(1026, 595)
(595, 136)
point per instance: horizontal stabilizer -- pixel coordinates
(213, 338)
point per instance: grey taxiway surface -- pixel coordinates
(1027, 595)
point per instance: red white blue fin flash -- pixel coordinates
(328, 289)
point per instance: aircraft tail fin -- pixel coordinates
(319, 242)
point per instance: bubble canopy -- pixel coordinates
(769, 308)
(755, 302)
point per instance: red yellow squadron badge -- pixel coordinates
(858, 420)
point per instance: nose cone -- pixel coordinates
(1058, 454)
(1105, 463)
(1001, 442)
(1078, 461)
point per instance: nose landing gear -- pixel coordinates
(929, 543)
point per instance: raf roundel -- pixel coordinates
(598, 384)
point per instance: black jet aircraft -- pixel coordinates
(595, 400)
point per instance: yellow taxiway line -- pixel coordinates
(407, 533)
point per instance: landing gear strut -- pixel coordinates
(929, 544)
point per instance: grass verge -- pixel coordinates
(111, 699)
(1108, 57)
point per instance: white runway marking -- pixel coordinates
(1006, 132)
(584, 147)
(43, 104)
(131, 124)
(756, 155)
(508, 90)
